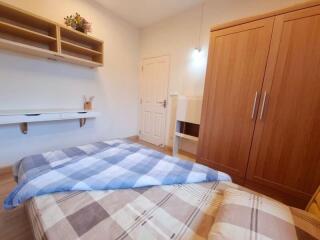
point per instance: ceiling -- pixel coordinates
(143, 13)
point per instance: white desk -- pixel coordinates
(188, 111)
(23, 117)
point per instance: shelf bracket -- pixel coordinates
(82, 122)
(24, 127)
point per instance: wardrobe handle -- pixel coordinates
(263, 105)
(254, 105)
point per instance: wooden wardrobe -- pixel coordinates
(261, 112)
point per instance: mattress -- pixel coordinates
(64, 203)
(184, 211)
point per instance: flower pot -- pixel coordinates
(80, 29)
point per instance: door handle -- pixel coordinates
(253, 113)
(164, 103)
(263, 105)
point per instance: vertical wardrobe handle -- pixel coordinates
(263, 105)
(254, 105)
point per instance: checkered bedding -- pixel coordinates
(248, 216)
(188, 211)
(116, 164)
(162, 212)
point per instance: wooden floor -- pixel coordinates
(181, 154)
(14, 224)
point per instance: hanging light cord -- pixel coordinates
(200, 27)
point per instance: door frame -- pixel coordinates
(142, 61)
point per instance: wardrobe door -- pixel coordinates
(285, 154)
(236, 67)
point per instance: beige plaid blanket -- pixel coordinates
(247, 216)
(164, 212)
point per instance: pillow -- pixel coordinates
(244, 215)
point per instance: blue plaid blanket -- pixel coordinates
(115, 164)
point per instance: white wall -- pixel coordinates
(31, 83)
(178, 36)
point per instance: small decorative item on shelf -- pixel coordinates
(78, 23)
(87, 103)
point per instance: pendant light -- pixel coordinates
(198, 46)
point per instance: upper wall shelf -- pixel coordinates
(24, 32)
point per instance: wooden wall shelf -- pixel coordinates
(24, 32)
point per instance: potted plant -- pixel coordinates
(78, 23)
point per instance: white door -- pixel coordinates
(154, 99)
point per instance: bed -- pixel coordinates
(185, 202)
(164, 212)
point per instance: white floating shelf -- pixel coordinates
(187, 125)
(23, 117)
(186, 136)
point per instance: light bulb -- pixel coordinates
(198, 60)
(196, 54)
